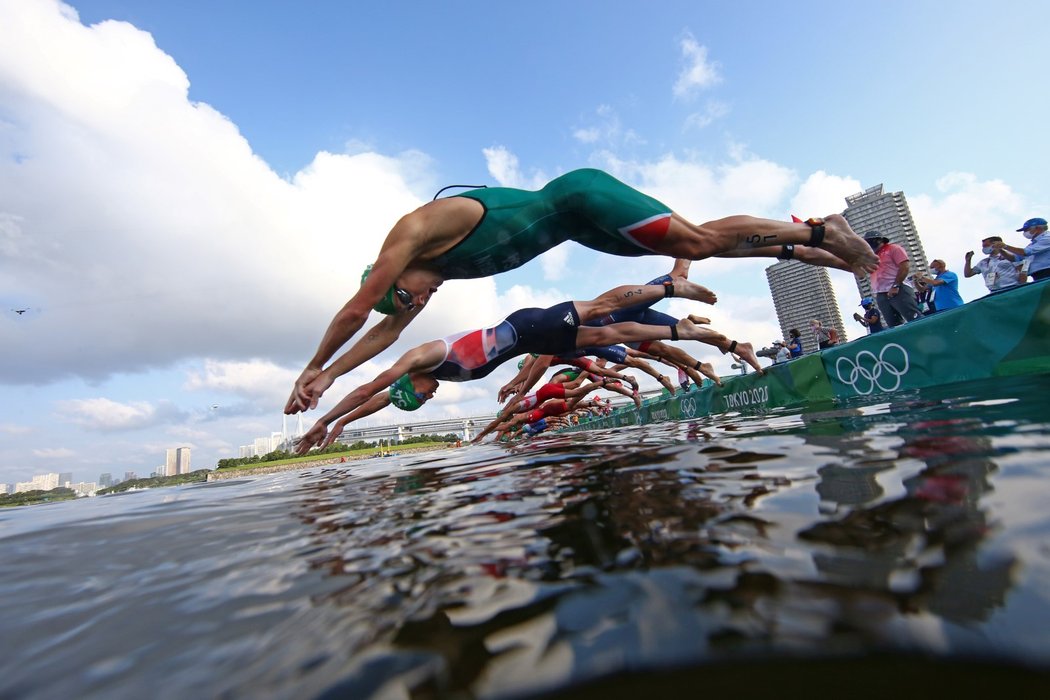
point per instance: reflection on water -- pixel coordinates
(899, 544)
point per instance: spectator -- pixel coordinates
(923, 295)
(896, 299)
(872, 319)
(794, 345)
(826, 337)
(945, 286)
(1000, 272)
(783, 354)
(1036, 253)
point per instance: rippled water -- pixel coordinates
(846, 548)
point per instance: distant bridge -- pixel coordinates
(466, 428)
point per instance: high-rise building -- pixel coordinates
(130, 476)
(105, 479)
(800, 293)
(262, 446)
(182, 460)
(887, 213)
(65, 478)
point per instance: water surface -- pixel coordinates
(890, 543)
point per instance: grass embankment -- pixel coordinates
(362, 453)
(156, 481)
(30, 498)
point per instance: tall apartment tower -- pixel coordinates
(887, 213)
(182, 460)
(170, 462)
(802, 292)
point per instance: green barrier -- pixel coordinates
(1002, 334)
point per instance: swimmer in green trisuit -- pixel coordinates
(486, 231)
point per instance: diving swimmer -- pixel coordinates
(486, 231)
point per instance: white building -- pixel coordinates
(262, 446)
(84, 488)
(182, 460)
(171, 462)
(40, 482)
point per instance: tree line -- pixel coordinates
(337, 448)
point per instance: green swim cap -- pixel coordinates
(403, 394)
(385, 305)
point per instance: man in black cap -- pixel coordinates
(895, 298)
(1036, 253)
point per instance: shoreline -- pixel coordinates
(263, 469)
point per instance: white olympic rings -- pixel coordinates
(689, 407)
(867, 371)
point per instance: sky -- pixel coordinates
(190, 191)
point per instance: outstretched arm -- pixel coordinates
(376, 340)
(322, 437)
(392, 260)
(417, 359)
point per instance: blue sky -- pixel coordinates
(188, 191)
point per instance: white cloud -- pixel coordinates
(607, 130)
(554, 263)
(252, 379)
(504, 167)
(822, 194)
(172, 240)
(54, 453)
(698, 73)
(10, 429)
(713, 110)
(106, 415)
(700, 191)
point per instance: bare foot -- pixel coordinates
(637, 398)
(699, 320)
(747, 354)
(666, 383)
(841, 241)
(708, 371)
(687, 330)
(685, 289)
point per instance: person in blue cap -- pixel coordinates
(1036, 253)
(872, 319)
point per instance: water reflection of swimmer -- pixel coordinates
(938, 518)
(413, 379)
(491, 230)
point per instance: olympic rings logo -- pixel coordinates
(689, 407)
(867, 371)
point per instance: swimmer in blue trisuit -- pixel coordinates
(486, 231)
(412, 380)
